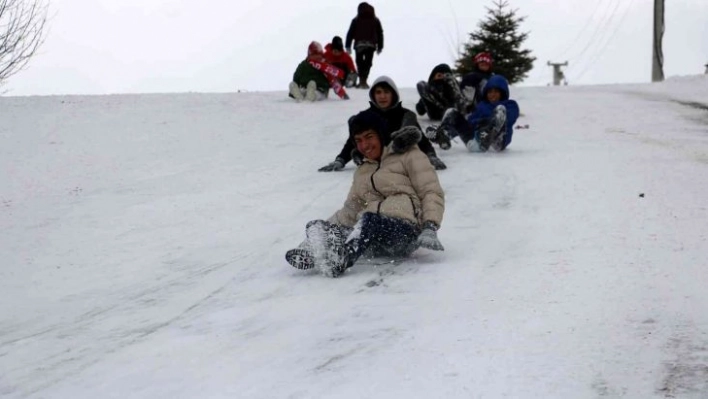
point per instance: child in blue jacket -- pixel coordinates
(490, 125)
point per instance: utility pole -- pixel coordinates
(558, 75)
(657, 66)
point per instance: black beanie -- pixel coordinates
(369, 120)
(337, 43)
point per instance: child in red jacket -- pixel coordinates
(335, 55)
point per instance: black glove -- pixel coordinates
(357, 157)
(436, 162)
(428, 238)
(337, 165)
(420, 108)
(405, 137)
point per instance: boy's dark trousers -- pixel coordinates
(364, 60)
(383, 236)
(455, 124)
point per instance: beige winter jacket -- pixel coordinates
(403, 186)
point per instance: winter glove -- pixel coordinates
(337, 165)
(420, 108)
(428, 238)
(404, 138)
(436, 162)
(357, 157)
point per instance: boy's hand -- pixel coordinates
(428, 238)
(337, 165)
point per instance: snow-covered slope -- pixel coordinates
(142, 241)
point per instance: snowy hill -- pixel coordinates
(142, 241)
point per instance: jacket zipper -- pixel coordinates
(373, 185)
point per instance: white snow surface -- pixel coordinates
(142, 241)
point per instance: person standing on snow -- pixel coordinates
(308, 82)
(439, 93)
(335, 55)
(386, 102)
(490, 125)
(367, 34)
(395, 204)
(473, 83)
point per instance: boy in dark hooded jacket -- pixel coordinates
(490, 125)
(367, 34)
(439, 93)
(396, 117)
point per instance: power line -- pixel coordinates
(580, 33)
(602, 26)
(597, 54)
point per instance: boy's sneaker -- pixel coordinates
(492, 135)
(351, 79)
(437, 134)
(311, 92)
(300, 258)
(498, 144)
(472, 146)
(328, 249)
(498, 121)
(484, 140)
(295, 92)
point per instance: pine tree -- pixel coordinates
(498, 34)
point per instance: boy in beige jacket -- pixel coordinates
(395, 204)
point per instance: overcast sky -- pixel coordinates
(119, 46)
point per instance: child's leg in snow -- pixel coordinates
(433, 106)
(455, 96)
(455, 124)
(328, 235)
(350, 81)
(364, 60)
(296, 92)
(381, 235)
(324, 245)
(491, 133)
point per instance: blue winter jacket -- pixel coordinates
(485, 109)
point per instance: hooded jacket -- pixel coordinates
(485, 109)
(395, 116)
(401, 185)
(440, 68)
(365, 29)
(305, 72)
(445, 94)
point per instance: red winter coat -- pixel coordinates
(342, 61)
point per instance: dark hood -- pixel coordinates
(444, 68)
(365, 10)
(497, 82)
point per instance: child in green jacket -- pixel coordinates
(309, 83)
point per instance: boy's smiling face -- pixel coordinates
(368, 143)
